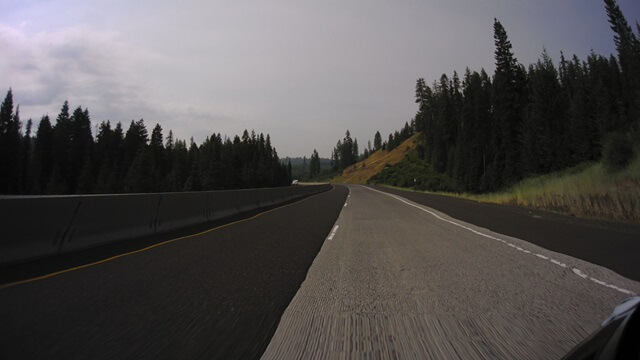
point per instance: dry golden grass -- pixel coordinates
(360, 172)
(592, 192)
(588, 191)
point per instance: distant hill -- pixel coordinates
(362, 171)
(298, 161)
(300, 167)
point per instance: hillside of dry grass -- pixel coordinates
(362, 171)
(587, 191)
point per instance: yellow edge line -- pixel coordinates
(47, 276)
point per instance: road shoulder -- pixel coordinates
(613, 246)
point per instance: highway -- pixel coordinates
(350, 273)
(397, 280)
(216, 295)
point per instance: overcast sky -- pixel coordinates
(302, 71)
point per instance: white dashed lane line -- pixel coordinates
(333, 232)
(553, 261)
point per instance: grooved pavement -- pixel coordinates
(394, 281)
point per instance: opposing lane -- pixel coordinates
(395, 281)
(216, 295)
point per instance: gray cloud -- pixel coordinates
(302, 71)
(74, 64)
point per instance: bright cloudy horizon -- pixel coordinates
(304, 72)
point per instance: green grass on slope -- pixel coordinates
(411, 168)
(587, 190)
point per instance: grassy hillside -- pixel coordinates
(412, 172)
(587, 190)
(361, 172)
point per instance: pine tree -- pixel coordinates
(26, 154)
(9, 146)
(624, 38)
(346, 151)
(474, 130)
(377, 141)
(193, 181)
(138, 178)
(118, 170)
(179, 171)
(314, 165)
(304, 168)
(103, 151)
(136, 137)
(507, 109)
(157, 158)
(81, 149)
(355, 151)
(579, 112)
(628, 47)
(6, 113)
(312, 173)
(43, 155)
(543, 123)
(62, 152)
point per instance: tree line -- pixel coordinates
(313, 168)
(65, 158)
(346, 152)
(487, 132)
(314, 165)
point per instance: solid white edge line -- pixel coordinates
(553, 261)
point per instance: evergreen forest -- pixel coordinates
(63, 157)
(488, 132)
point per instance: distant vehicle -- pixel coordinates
(294, 182)
(617, 338)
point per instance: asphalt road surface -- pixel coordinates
(395, 279)
(217, 295)
(613, 245)
(369, 275)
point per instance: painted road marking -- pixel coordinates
(553, 261)
(3, 286)
(333, 232)
(559, 263)
(579, 273)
